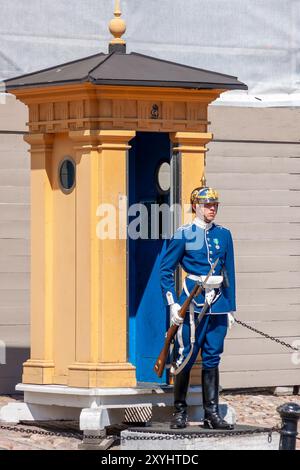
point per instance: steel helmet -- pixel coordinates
(204, 196)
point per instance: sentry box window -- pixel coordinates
(163, 178)
(67, 174)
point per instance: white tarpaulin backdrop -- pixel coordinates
(258, 40)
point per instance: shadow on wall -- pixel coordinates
(11, 371)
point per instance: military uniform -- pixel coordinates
(195, 247)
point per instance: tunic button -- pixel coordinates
(210, 252)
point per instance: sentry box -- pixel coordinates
(107, 132)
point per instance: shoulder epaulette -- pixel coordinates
(185, 227)
(223, 228)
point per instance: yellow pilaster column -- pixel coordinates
(101, 265)
(192, 148)
(39, 368)
(115, 370)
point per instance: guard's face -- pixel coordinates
(207, 212)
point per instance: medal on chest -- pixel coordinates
(217, 243)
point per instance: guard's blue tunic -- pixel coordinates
(196, 249)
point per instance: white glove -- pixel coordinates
(176, 319)
(230, 320)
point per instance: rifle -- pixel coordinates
(162, 358)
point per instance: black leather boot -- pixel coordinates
(180, 390)
(210, 391)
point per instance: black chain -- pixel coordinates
(289, 346)
(205, 435)
(42, 433)
(149, 437)
(69, 434)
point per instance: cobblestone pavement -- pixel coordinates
(259, 408)
(10, 440)
(256, 408)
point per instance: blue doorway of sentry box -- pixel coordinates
(149, 180)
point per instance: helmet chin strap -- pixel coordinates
(200, 212)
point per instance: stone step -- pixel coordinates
(160, 437)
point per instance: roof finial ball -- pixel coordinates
(117, 27)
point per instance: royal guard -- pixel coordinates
(196, 247)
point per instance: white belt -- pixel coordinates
(213, 282)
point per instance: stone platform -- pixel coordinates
(97, 408)
(159, 436)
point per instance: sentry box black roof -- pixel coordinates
(131, 69)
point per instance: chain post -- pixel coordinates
(290, 414)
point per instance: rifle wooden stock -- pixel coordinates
(162, 358)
